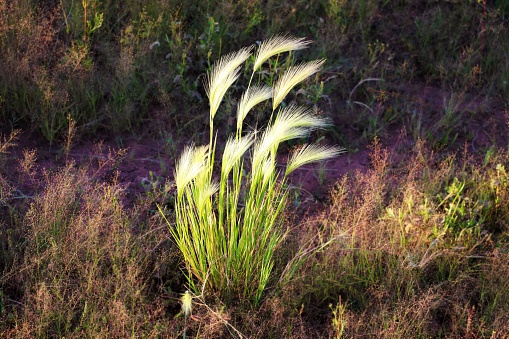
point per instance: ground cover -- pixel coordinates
(405, 235)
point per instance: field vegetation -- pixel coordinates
(328, 168)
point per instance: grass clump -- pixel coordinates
(72, 264)
(227, 225)
(416, 248)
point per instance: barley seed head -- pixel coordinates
(223, 74)
(191, 163)
(234, 150)
(277, 45)
(292, 77)
(311, 153)
(291, 122)
(187, 304)
(251, 97)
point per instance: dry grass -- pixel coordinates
(396, 267)
(80, 267)
(76, 262)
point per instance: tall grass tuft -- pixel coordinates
(227, 224)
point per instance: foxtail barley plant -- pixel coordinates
(227, 224)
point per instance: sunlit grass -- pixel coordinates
(228, 239)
